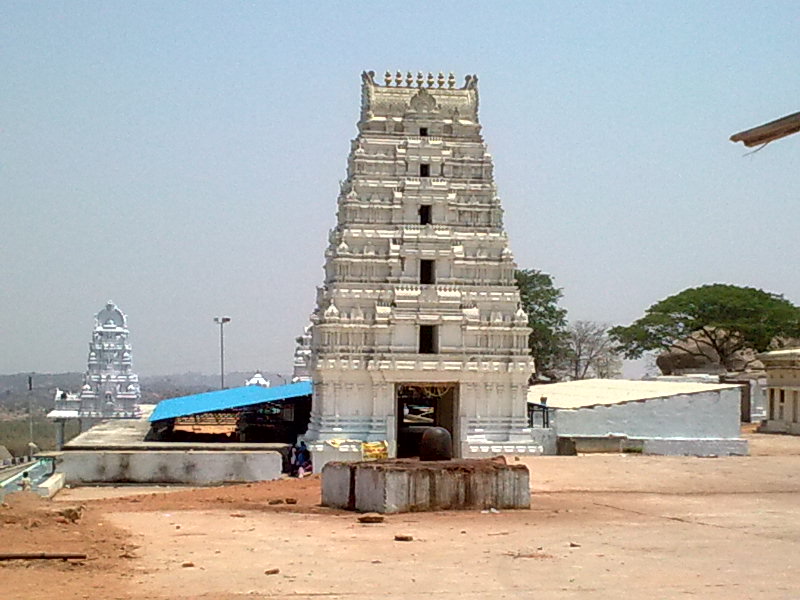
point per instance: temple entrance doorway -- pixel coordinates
(423, 405)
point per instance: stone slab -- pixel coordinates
(196, 467)
(337, 482)
(410, 486)
(50, 486)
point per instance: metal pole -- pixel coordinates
(221, 356)
(221, 321)
(30, 410)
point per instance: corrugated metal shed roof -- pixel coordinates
(226, 399)
(594, 392)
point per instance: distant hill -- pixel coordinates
(158, 387)
(14, 397)
(14, 394)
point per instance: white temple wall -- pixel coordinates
(713, 414)
(783, 391)
(487, 390)
(405, 336)
(450, 335)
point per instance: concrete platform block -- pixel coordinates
(196, 468)
(411, 486)
(50, 486)
(337, 482)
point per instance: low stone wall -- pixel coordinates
(701, 415)
(410, 486)
(195, 467)
(50, 486)
(598, 445)
(695, 447)
(775, 426)
(542, 442)
(659, 446)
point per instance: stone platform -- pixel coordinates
(195, 467)
(392, 486)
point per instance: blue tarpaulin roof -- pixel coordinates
(226, 399)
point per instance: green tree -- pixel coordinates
(727, 317)
(539, 297)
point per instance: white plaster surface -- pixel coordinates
(592, 392)
(710, 414)
(194, 467)
(782, 402)
(50, 486)
(696, 447)
(322, 453)
(540, 442)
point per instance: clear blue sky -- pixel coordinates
(183, 158)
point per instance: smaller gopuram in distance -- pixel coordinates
(418, 321)
(110, 387)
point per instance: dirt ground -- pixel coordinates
(600, 526)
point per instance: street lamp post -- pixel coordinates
(221, 322)
(30, 411)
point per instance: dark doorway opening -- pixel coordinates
(425, 214)
(424, 170)
(421, 406)
(428, 339)
(427, 272)
(423, 132)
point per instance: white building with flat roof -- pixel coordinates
(653, 417)
(783, 390)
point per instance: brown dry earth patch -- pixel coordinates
(599, 527)
(30, 524)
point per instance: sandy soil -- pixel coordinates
(31, 524)
(603, 526)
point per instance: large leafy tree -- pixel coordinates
(727, 318)
(539, 297)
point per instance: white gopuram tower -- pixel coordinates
(111, 388)
(418, 321)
